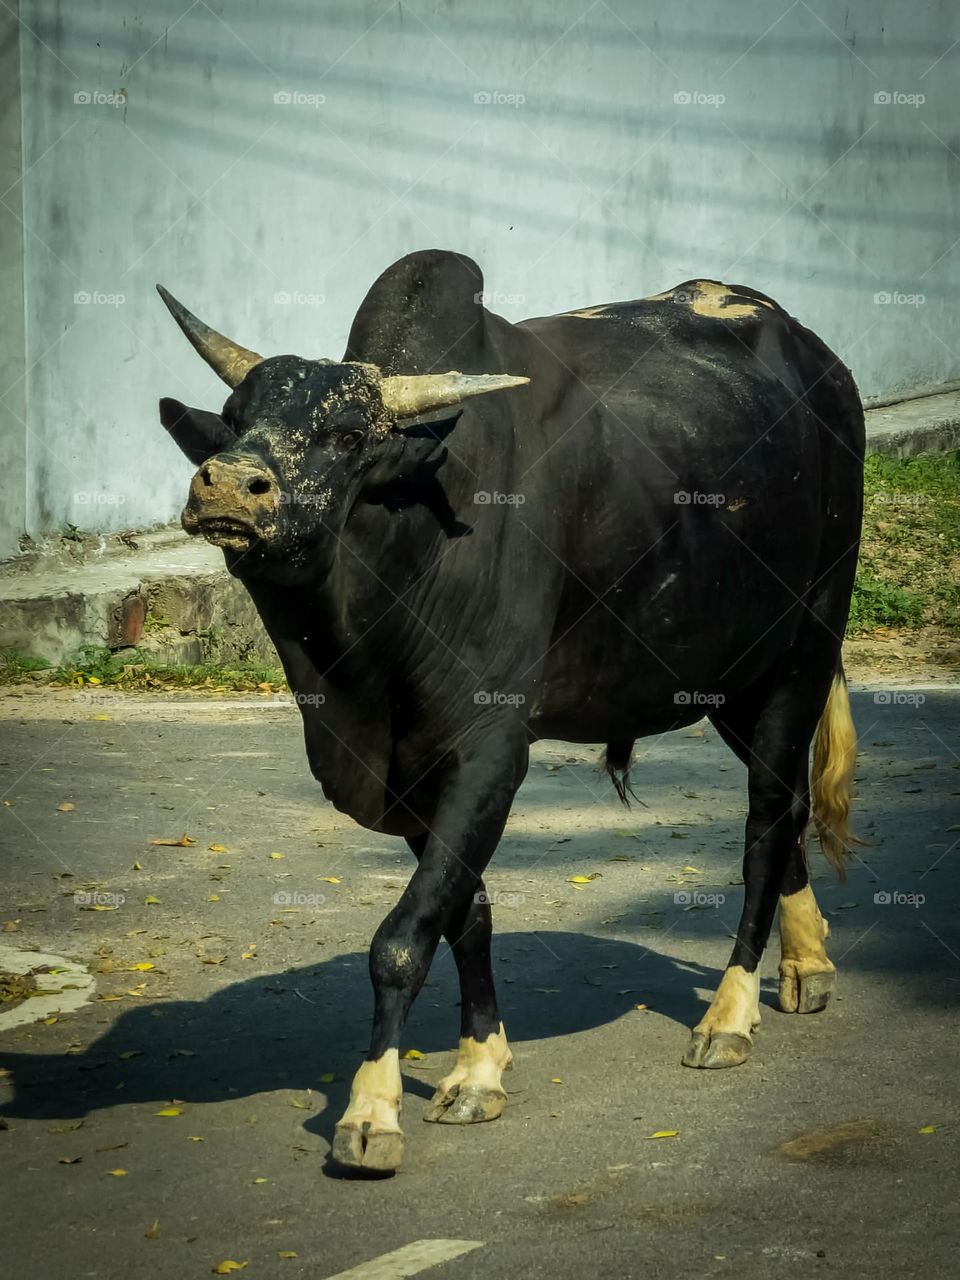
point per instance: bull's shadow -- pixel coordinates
(284, 1031)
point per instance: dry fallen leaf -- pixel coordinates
(142, 966)
(66, 807)
(664, 1133)
(556, 1080)
(117, 1173)
(184, 842)
(193, 1138)
(218, 848)
(295, 1102)
(153, 1231)
(224, 1268)
(151, 901)
(594, 875)
(928, 1128)
(276, 856)
(70, 1159)
(250, 954)
(258, 1181)
(286, 1253)
(329, 879)
(213, 897)
(412, 1053)
(169, 1111)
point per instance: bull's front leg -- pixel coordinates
(470, 815)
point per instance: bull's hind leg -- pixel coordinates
(777, 754)
(472, 1091)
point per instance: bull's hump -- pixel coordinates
(709, 299)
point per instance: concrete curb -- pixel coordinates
(927, 425)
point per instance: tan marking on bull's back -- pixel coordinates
(713, 300)
(591, 313)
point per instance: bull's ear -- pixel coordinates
(198, 433)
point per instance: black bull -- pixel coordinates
(664, 521)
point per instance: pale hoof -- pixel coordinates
(802, 992)
(462, 1105)
(355, 1147)
(721, 1049)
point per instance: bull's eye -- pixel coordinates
(352, 438)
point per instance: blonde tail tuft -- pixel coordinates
(834, 760)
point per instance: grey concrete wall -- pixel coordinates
(266, 160)
(13, 424)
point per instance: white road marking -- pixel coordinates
(408, 1261)
(70, 989)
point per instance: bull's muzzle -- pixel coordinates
(233, 502)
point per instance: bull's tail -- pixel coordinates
(834, 760)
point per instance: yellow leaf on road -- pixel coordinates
(276, 856)
(412, 1053)
(928, 1128)
(594, 875)
(329, 879)
(66, 807)
(556, 1080)
(696, 870)
(257, 1181)
(295, 1102)
(224, 1268)
(218, 848)
(183, 842)
(169, 1111)
(117, 1173)
(151, 901)
(142, 966)
(287, 1253)
(664, 1133)
(153, 1231)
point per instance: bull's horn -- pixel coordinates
(225, 358)
(407, 396)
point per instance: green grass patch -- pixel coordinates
(138, 669)
(909, 572)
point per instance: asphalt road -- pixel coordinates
(833, 1150)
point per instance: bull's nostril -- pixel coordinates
(259, 485)
(205, 475)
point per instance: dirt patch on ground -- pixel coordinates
(928, 655)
